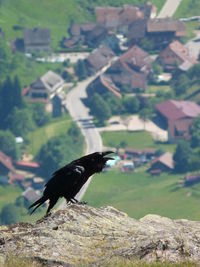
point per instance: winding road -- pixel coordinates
(80, 113)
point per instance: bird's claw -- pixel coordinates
(75, 201)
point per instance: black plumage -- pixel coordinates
(68, 181)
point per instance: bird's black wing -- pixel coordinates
(64, 179)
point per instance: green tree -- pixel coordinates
(17, 96)
(20, 122)
(80, 70)
(195, 133)
(131, 104)
(100, 108)
(40, 116)
(9, 214)
(182, 157)
(115, 103)
(58, 151)
(8, 144)
(180, 84)
(145, 114)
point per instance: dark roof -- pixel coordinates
(166, 159)
(122, 74)
(6, 161)
(113, 17)
(100, 57)
(37, 36)
(136, 56)
(173, 109)
(137, 29)
(165, 25)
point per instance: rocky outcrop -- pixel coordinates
(82, 235)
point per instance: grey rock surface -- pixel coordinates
(82, 235)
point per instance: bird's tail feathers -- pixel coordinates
(37, 203)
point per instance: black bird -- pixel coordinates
(68, 181)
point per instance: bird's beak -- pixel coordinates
(107, 153)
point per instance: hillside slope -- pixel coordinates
(54, 14)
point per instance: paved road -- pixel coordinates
(169, 8)
(80, 113)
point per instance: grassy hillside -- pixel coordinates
(188, 8)
(139, 194)
(54, 14)
(41, 135)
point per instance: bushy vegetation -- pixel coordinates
(13, 261)
(59, 150)
(186, 84)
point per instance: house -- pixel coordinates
(38, 182)
(133, 153)
(96, 36)
(176, 55)
(165, 30)
(178, 117)
(127, 166)
(129, 72)
(192, 179)
(16, 178)
(118, 18)
(137, 59)
(6, 165)
(78, 34)
(30, 195)
(98, 59)
(46, 86)
(163, 163)
(166, 26)
(28, 166)
(37, 40)
(103, 84)
(136, 31)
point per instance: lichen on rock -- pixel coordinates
(82, 235)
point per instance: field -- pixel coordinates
(54, 14)
(41, 135)
(8, 194)
(188, 8)
(139, 194)
(138, 140)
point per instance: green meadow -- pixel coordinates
(139, 194)
(138, 140)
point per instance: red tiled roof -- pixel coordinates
(27, 164)
(176, 52)
(166, 25)
(174, 110)
(6, 161)
(136, 56)
(108, 83)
